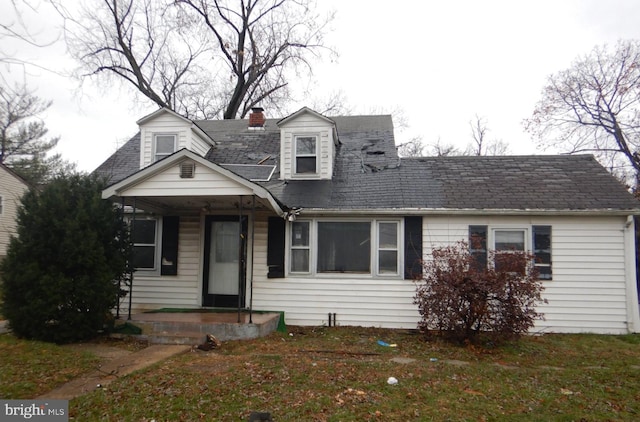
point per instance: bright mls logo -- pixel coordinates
(34, 410)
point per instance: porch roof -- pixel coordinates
(161, 186)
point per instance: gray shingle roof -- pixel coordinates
(369, 175)
(122, 163)
(535, 182)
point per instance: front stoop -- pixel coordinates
(192, 328)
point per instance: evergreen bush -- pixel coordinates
(60, 273)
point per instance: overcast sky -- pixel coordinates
(441, 62)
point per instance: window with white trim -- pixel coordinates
(306, 155)
(163, 145)
(388, 252)
(536, 239)
(345, 247)
(506, 241)
(300, 246)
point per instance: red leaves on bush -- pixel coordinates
(459, 300)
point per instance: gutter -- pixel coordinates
(470, 211)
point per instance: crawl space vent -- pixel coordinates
(187, 169)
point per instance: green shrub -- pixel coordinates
(460, 300)
(60, 273)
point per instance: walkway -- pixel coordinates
(116, 363)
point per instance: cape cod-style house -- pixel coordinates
(316, 216)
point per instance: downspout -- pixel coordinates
(633, 311)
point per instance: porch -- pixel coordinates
(192, 326)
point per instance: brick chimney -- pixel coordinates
(256, 118)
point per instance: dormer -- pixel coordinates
(164, 132)
(308, 142)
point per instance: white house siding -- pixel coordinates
(179, 291)
(167, 123)
(355, 301)
(11, 191)
(205, 182)
(307, 124)
(587, 293)
(199, 146)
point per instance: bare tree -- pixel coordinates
(412, 148)
(594, 107)
(146, 44)
(15, 33)
(202, 59)
(481, 144)
(441, 149)
(333, 104)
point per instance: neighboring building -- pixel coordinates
(12, 187)
(313, 216)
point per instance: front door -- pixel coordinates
(224, 261)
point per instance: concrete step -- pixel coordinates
(162, 329)
(164, 337)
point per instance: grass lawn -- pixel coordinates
(340, 374)
(31, 368)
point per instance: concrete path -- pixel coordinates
(116, 363)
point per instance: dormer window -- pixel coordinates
(306, 155)
(163, 146)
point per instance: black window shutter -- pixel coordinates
(412, 247)
(542, 251)
(169, 257)
(478, 246)
(275, 247)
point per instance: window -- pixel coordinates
(505, 240)
(508, 240)
(326, 247)
(388, 247)
(144, 238)
(344, 247)
(164, 145)
(1, 205)
(300, 247)
(305, 155)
